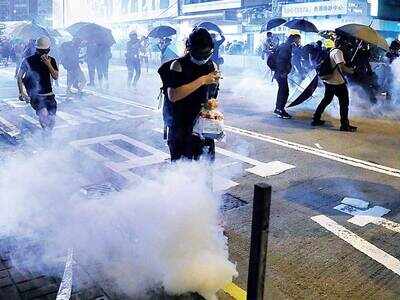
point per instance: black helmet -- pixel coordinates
(200, 44)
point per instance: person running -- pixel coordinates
(336, 85)
(132, 55)
(188, 84)
(35, 75)
(283, 68)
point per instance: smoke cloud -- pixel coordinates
(161, 233)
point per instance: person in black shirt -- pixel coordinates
(190, 82)
(35, 75)
(283, 68)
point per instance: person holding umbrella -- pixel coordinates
(216, 58)
(336, 85)
(283, 66)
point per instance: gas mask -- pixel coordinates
(201, 57)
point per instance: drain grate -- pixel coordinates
(230, 202)
(98, 190)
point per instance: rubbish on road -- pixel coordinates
(318, 146)
(358, 203)
(270, 169)
(368, 215)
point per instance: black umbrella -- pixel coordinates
(28, 31)
(271, 24)
(162, 32)
(210, 26)
(304, 90)
(74, 28)
(302, 25)
(93, 32)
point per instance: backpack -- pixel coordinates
(164, 101)
(324, 66)
(272, 60)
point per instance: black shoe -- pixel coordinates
(282, 114)
(317, 123)
(285, 115)
(348, 128)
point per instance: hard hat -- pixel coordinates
(329, 44)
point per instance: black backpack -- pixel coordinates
(324, 66)
(164, 101)
(272, 60)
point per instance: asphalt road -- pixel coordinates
(314, 250)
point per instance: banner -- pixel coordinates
(308, 9)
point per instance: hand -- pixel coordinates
(46, 59)
(211, 78)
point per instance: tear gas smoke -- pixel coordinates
(163, 232)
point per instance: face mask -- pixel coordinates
(199, 62)
(43, 51)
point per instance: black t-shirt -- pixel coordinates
(186, 111)
(37, 75)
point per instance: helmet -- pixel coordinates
(200, 44)
(329, 44)
(43, 43)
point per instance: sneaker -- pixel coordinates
(348, 128)
(317, 123)
(278, 113)
(285, 115)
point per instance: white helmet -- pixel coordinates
(43, 43)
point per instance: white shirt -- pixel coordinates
(336, 78)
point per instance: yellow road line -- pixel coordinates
(235, 292)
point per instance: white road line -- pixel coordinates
(363, 220)
(65, 290)
(8, 128)
(359, 243)
(355, 162)
(322, 153)
(31, 121)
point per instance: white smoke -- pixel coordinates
(163, 232)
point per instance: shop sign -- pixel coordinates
(308, 9)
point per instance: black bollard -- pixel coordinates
(259, 241)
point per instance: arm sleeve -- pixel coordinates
(24, 66)
(338, 57)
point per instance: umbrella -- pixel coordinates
(28, 31)
(54, 33)
(162, 32)
(271, 24)
(364, 33)
(210, 26)
(302, 25)
(92, 32)
(73, 29)
(327, 34)
(304, 90)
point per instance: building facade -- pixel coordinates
(39, 11)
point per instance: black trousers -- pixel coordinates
(92, 71)
(192, 148)
(134, 69)
(283, 91)
(342, 93)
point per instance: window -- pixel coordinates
(165, 4)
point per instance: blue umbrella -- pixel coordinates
(210, 26)
(162, 32)
(302, 25)
(271, 24)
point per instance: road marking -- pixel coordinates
(355, 162)
(318, 152)
(31, 121)
(65, 290)
(359, 243)
(8, 128)
(374, 212)
(235, 292)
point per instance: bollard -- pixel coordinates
(259, 240)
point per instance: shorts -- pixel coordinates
(48, 102)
